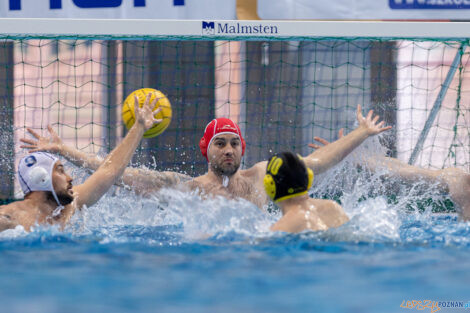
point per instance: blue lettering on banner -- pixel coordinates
(429, 4)
(15, 5)
(209, 28)
(85, 4)
(56, 4)
(178, 2)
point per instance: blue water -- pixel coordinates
(143, 268)
(177, 253)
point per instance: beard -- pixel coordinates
(224, 169)
(63, 197)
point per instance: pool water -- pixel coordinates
(176, 252)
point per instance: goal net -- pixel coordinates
(283, 82)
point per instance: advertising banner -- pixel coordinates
(365, 9)
(116, 9)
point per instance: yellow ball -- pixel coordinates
(128, 116)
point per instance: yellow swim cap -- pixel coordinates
(287, 177)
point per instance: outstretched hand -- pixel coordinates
(144, 115)
(369, 123)
(52, 144)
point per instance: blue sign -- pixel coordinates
(15, 5)
(429, 4)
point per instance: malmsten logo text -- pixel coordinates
(212, 28)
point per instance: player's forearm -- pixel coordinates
(330, 155)
(80, 158)
(145, 180)
(113, 166)
(402, 170)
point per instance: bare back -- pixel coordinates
(310, 214)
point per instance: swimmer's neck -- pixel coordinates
(219, 179)
(296, 203)
(40, 201)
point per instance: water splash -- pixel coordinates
(174, 217)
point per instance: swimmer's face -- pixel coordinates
(62, 184)
(225, 154)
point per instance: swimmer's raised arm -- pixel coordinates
(114, 165)
(322, 159)
(395, 167)
(140, 180)
(454, 181)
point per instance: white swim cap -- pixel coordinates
(35, 173)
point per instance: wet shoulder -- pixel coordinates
(10, 214)
(197, 182)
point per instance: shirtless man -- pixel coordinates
(50, 197)
(223, 146)
(454, 181)
(287, 182)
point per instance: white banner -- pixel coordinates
(365, 9)
(116, 9)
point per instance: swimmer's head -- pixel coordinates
(39, 171)
(287, 177)
(217, 127)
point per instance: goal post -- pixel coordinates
(284, 82)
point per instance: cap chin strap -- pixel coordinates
(59, 209)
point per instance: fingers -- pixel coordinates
(369, 115)
(321, 140)
(157, 111)
(314, 146)
(31, 149)
(154, 102)
(157, 120)
(51, 131)
(28, 141)
(341, 133)
(136, 103)
(33, 133)
(385, 128)
(147, 99)
(376, 118)
(359, 111)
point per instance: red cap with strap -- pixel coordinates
(216, 127)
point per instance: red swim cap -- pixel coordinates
(219, 126)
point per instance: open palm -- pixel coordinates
(144, 115)
(47, 144)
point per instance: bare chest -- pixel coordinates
(241, 188)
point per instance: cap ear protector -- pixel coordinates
(269, 185)
(310, 178)
(309, 173)
(287, 177)
(39, 177)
